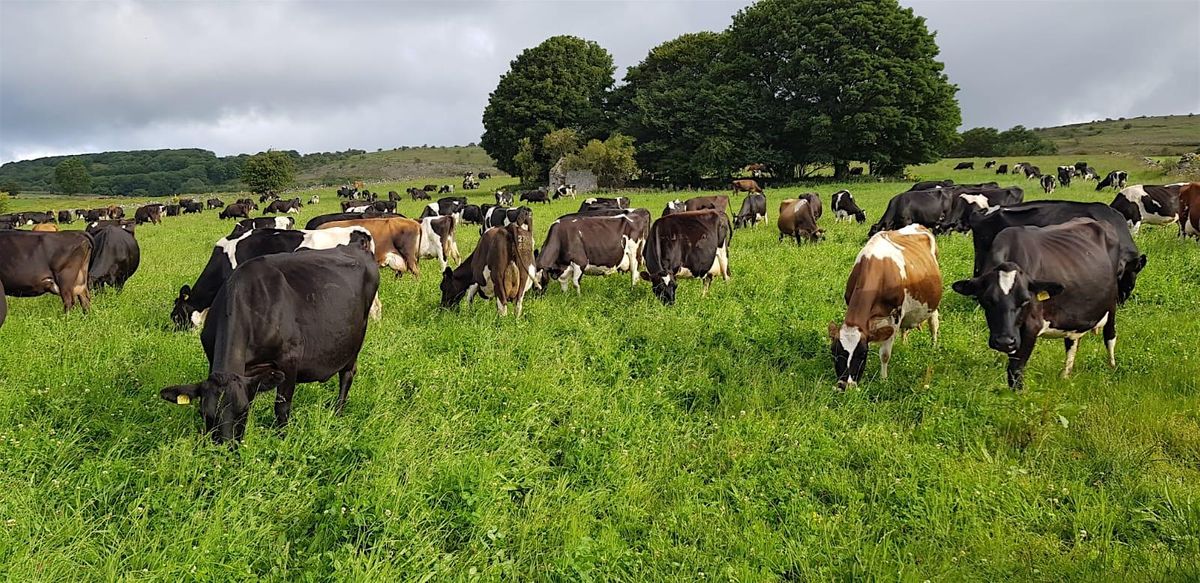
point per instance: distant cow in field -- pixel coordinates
(965, 166)
(1065, 173)
(1002, 169)
(191, 207)
(214, 203)
(856, 171)
(844, 207)
(1115, 179)
(151, 213)
(1031, 171)
(594, 244)
(418, 194)
(283, 206)
(248, 203)
(484, 175)
(430, 188)
(1047, 184)
(504, 198)
(498, 216)
(753, 211)
(531, 196)
(564, 190)
(171, 210)
(234, 211)
(989, 164)
(745, 185)
(446, 189)
(65, 217)
(314, 199)
(697, 203)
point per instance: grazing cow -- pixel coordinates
(1081, 168)
(686, 244)
(65, 217)
(754, 210)
(564, 190)
(931, 184)
(595, 244)
(1058, 281)
(1149, 203)
(255, 342)
(116, 212)
(989, 164)
(844, 207)
(814, 200)
(33, 264)
(1090, 174)
(3, 305)
(37, 218)
(314, 199)
(151, 213)
(1031, 171)
(397, 241)
(923, 207)
(268, 196)
(504, 198)
(472, 214)
(115, 256)
(746, 185)
(532, 196)
(45, 228)
(191, 207)
(1002, 169)
(1065, 174)
(446, 189)
(965, 166)
(501, 266)
(856, 171)
(384, 206)
(9, 222)
(126, 224)
(1129, 261)
(234, 211)
(797, 219)
(450, 206)
(594, 203)
(1189, 210)
(214, 203)
(248, 203)
(484, 175)
(171, 210)
(283, 206)
(719, 203)
(968, 201)
(1116, 179)
(1047, 184)
(895, 286)
(437, 240)
(346, 191)
(393, 195)
(281, 223)
(370, 213)
(1018, 168)
(354, 206)
(498, 216)
(430, 188)
(192, 305)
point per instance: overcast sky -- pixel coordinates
(237, 77)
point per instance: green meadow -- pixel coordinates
(608, 437)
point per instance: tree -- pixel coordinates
(977, 142)
(267, 171)
(612, 161)
(844, 80)
(71, 176)
(526, 162)
(559, 143)
(561, 83)
(1018, 141)
(11, 188)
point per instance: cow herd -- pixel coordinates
(278, 306)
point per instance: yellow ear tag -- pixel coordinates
(1043, 296)
(182, 399)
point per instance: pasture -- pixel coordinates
(607, 436)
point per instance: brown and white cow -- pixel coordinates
(1189, 210)
(437, 240)
(797, 219)
(698, 203)
(500, 267)
(895, 286)
(745, 185)
(397, 241)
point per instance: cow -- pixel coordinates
(1031, 171)
(346, 191)
(844, 207)
(65, 217)
(281, 223)
(319, 220)
(856, 171)
(1189, 210)
(33, 264)
(192, 305)
(115, 257)
(151, 213)
(268, 196)
(234, 211)
(595, 203)
(989, 164)
(214, 203)
(171, 210)
(1018, 168)
(965, 166)
(894, 286)
(498, 216)
(437, 240)
(354, 206)
(191, 207)
(115, 212)
(504, 198)
(127, 224)
(928, 208)
(1090, 174)
(384, 206)
(314, 199)
(1047, 184)
(283, 206)
(595, 244)
(797, 219)
(564, 190)
(1081, 168)
(430, 188)
(745, 185)
(1002, 169)
(45, 228)
(37, 218)
(719, 202)
(1057, 281)
(501, 267)
(397, 241)
(686, 244)
(985, 227)
(393, 195)
(967, 201)
(754, 210)
(248, 203)
(451, 206)
(814, 200)
(256, 343)
(484, 175)
(9, 221)
(472, 214)
(1150, 203)
(532, 196)
(931, 184)
(1065, 174)
(1116, 179)
(446, 189)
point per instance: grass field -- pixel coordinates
(1144, 136)
(607, 437)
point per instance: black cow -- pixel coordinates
(754, 210)
(985, 227)
(472, 214)
(255, 343)
(283, 206)
(191, 307)
(844, 207)
(215, 203)
(115, 256)
(1002, 169)
(127, 224)
(65, 217)
(430, 188)
(393, 195)
(484, 175)
(384, 206)
(1081, 168)
(924, 207)
(151, 213)
(498, 216)
(191, 207)
(233, 211)
(32, 264)
(1065, 173)
(172, 210)
(686, 244)
(248, 203)
(931, 184)
(965, 166)
(1047, 184)
(595, 203)
(1150, 203)
(538, 195)
(1058, 281)
(1116, 179)
(595, 244)
(1031, 171)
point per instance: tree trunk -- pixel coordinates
(841, 170)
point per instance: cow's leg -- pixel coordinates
(501, 305)
(66, 290)
(283, 399)
(376, 311)
(705, 282)
(935, 321)
(575, 280)
(1072, 346)
(345, 377)
(81, 290)
(1110, 337)
(885, 355)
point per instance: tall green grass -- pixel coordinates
(609, 437)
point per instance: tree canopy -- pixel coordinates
(612, 161)
(561, 83)
(71, 177)
(268, 171)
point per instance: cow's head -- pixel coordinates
(1007, 295)
(860, 217)
(848, 346)
(1129, 278)
(664, 284)
(452, 291)
(224, 400)
(185, 314)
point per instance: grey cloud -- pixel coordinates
(242, 77)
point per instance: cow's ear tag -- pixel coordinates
(182, 399)
(1043, 296)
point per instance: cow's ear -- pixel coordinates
(185, 292)
(180, 394)
(880, 334)
(448, 271)
(1045, 290)
(834, 329)
(966, 287)
(646, 276)
(269, 380)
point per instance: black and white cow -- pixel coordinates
(1047, 183)
(450, 206)
(595, 244)
(686, 244)
(1002, 169)
(1149, 203)
(989, 164)
(498, 216)
(1065, 174)
(1081, 168)
(844, 207)
(192, 305)
(1090, 173)
(965, 166)
(1057, 281)
(504, 198)
(437, 240)
(1116, 179)
(281, 223)
(596, 203)
(564, 190)
(753, 211)
(1031, 171)
(255, 343)
(968, 201)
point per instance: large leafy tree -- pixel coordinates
(72, 177)
(267, 171)
(847, 80)
(690, 111)
(562, 83)
(612, 161)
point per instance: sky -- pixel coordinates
(241, 77)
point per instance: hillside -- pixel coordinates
(1146, 136)
(401, 164)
